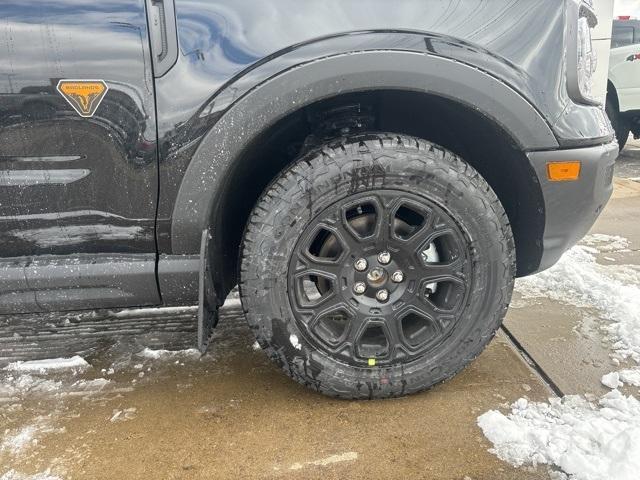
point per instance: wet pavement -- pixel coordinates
(560, 337)
(140, 412)
(628, 163)
(232, 414)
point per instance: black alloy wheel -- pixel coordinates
(379, 278)
(376, 266)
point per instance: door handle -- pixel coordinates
(161, 19)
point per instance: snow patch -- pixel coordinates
(630, 376)
(17, 441)
(89, 386)
(169, 354)
(578, 280)
(293, 339)
(20, 385)
(588, 442)
(342, 457)
(14, 475)
(232, 302)
(13, 385)
(611, 380)
(76, 363)
(123, 415)
(606, 243)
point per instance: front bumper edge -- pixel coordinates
(572, 207)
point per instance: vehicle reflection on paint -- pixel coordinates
(120, 113)
(40, 117)
(70, 184)
(227, 47)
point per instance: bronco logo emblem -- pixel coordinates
(83, 95)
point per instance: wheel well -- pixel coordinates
(465, 131)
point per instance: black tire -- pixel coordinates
(620, 126)
(369, 165)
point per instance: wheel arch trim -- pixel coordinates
(204, 182)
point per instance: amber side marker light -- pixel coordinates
(563, 171)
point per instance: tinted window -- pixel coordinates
(623, 35)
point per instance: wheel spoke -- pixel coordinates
(417, 242)
(355, 330)
(316, 266)
(433, 272)
(419, 303)
(434, 227)
(355, 327)
(443, 287)
(349, 237)
(394, 327)
(333, 302)
(384, 221)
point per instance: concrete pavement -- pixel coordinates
(555, 334)
(234, 415)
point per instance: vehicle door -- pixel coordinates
(624, 64)
(78, 163)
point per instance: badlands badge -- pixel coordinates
(83, 95)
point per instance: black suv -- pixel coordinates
(372, 176)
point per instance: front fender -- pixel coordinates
(303, 84)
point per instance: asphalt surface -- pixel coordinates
(232, 414)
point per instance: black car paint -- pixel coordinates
(81, 185)
(241, 64)
(78, 196)
(522, 43)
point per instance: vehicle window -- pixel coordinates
(622, 36)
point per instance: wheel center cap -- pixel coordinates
(376, 277)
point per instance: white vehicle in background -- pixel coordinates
(623, 88)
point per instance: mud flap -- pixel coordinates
(207, 299)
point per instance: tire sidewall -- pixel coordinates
(620, 127)
(320, 179)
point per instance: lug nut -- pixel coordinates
(361, 265)
(382, 295)
(384, 257)
(397, 276)
(359, 288)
